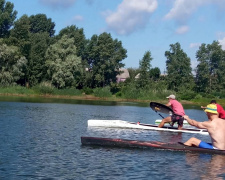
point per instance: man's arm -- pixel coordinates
(201, 125)
(168, 104)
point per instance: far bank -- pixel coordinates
(84, 97)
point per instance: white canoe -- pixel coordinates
(133, 125)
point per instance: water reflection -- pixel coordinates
(42, 141)
(69, 101)
(216, 167)
(207, 165)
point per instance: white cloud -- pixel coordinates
(130, 16)
(74, 20)
(221, 39)
(220, 35)
(182, 30)
(222, 43)
(183, 9)
(194, 64)
(195, 45)
(58, 4)
(78, 18)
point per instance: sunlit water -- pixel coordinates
(40, 139)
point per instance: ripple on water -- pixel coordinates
(42, 141)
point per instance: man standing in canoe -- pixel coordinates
(178, 113)
(215, 127)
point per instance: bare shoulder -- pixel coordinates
(219, 120)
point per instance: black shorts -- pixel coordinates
(177, 118)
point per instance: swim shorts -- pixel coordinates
(177, 118)
(206, 145)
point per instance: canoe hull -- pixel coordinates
(132, 125)
(124, 143)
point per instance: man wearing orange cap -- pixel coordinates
(215, 127)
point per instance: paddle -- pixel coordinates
(157, 107)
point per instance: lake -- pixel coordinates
(40, 139)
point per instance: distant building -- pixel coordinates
(123, 75)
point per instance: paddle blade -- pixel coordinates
(161, 108)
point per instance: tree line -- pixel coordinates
(31, 54)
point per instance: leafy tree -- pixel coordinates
(32, 35)
(7, 17)
(36, 65)
(210, 75)
(78, 36)
(20, 35)
(133, 72)
(90, 51)
(144, 66)
(103, 56)
(155, 73)
(203, 69)
(12, 65)
(179, 69)
(62, 63)
(40, 23)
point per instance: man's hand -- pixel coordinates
(186, 117)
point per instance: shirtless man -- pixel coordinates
(178, 113)
(215, 127)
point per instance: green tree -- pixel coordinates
(7, 17)
(20, 35)
(144, 66)
(155, 73)
(179, 69)
(210, 75)
(62, 63)
(36, 65)
(78, 36)
(103, 56)
(40, 23)
(133, 72)
(12, 65)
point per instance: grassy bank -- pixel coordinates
(102, 94)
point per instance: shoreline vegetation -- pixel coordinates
(97, 95)
(37, 62)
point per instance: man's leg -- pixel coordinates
(180, 127)
(165, 120)
(193, 142)
(180, 123)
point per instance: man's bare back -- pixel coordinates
(216, 129)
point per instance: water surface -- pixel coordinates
(41, 140)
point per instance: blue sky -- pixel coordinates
(141, 25)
